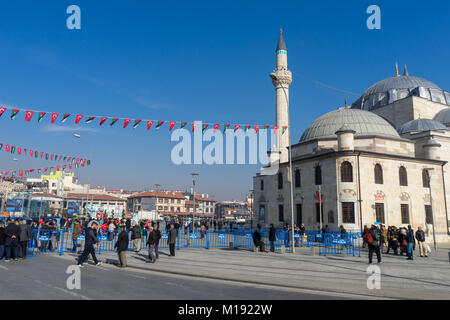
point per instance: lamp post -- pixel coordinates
(193, 192)
(290, 167)
(429, 170)
(89, 171)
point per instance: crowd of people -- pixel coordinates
(401, 240)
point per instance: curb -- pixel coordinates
(110, 261)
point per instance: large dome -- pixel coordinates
(365, 123)
(400, 82)
(389, 90)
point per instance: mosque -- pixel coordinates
(383, 159)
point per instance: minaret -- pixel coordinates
(281, 79)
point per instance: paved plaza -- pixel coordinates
(422, 278)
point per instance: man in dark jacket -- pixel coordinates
(136, 237)
(411, 243)
(2, 240)
(172, 239)
(122, 246)
(375, 245)
(12, 233)
(420, 237)
(24, 237)
(89, 241)
(153, 242)
(272, 237)
(257, 241)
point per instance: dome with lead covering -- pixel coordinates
(364, 123)
(443, 116)
(420, 125)
(389, 90)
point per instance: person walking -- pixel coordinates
(136, 237)
(420, 237)
(122, 247)
(411, 243)
(12, 233)
(152, 242)
(24, 237)
(272, 237)
(90, 240)
(76, 230)
(2, 240)
(373, 239)
(171, 240)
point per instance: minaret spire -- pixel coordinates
(281, 79)
(396, 70)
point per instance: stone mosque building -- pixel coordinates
(384, 159)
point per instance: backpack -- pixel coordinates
(368, 238)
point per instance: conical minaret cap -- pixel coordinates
(281, 45)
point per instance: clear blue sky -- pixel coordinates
(195, 60)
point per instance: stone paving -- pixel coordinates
(422, 278)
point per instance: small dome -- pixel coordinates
(364, 123)
(420, 125)
(443, 116)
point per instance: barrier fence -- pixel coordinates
(60, 241)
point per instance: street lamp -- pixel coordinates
(193, 192)
(290, 167)
(89, 170)
(428, 170)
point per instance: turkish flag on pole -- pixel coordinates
(319, 196)
(28, 115)
(78, 118)
(54, 116)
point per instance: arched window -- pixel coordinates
(378, 171)
(262, 184)
(346, 172)
(318, 175)
(298, 181)
(280, 180)
(425, 178)
(403, 176)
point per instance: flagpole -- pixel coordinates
(320, 208)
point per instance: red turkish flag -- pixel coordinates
(126, 122)
(275, 128)
(236, 126)
(149, 124)
(319, 196)
(216, 127)
(78, 118)
(42, 154)
(102, 120)
(171, 124)
(54, 116)
(194, 125)
(70, 166)
(19, 151)
(31, 153)
(28, 115)
(20, 173)
(257, 129)
(51, 156)
(2, 109)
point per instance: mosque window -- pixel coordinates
(428, 214)
(379, 212)
(403, 176)
(330, 216)
(425, 178)
(318, 175)
(447, 96)
(280, 180)
(437, 96)
(378, 171)
(281, 212)
(298, 181)
(262, 185)
(402, 94)
(346, 172)
(348, 212)
(404, 209)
